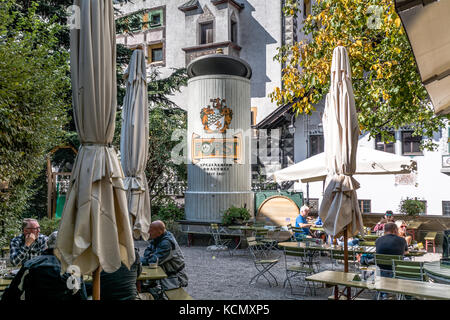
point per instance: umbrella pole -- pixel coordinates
(346, 259)
(96, 284)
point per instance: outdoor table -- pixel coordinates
(437, 272)
(4, 283)
(150, 274)
(413, 226)
(421, 289)
(316, 228)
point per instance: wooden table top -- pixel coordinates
(152, 273)
(414, 224)
(409, 287)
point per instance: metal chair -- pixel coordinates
(220, 245)
(382, 261)
(409, 270)
(300, 268)
(337, 255)
(263, 264)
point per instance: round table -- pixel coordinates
(437, 272)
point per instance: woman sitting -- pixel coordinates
(401, 225)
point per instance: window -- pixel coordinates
(313, 206)
(365, 206)
(234, 31)
(315, 144)
(206, 33)
(254, 112)
(446, 208)
(155, 19)
(411, 144)
(155, 53)
(386, 147)
(306, 8)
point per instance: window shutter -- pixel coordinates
(209, 36)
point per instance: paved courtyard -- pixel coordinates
(225, 277)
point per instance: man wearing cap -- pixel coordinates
(388, 217)
(27, 245)
(40, 279)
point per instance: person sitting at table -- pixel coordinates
(40, 279)
(350, 241)
(27, 245)
(302, 222)
(121, 284)
(390, 243)
(401, 225)
(318, 233)
(164, 250)
(388, 217)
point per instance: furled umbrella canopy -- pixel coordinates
(339, 207)
(95, 229)
(134, 145)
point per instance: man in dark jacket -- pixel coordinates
(164, 250)
(40, 279)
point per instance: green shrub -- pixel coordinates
(169, 213)
(49, 225)
(411, 207)
(235, 215)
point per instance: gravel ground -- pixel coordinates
(225, 277)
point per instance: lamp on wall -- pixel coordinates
(291, 127)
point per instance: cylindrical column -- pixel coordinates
(219, 168)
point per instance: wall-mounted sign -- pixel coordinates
(218, 118)
(216, 148)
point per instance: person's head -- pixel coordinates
(389, 215)
(401, 225)
(304, 211)
(157, 228)
(30, 225)
(390, 228)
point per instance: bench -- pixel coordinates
(430, 238)
(177, 294)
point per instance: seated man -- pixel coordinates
(302, 222)
(164, 250)
(121, 284)
(29, 244)
(40, 279)
(390, 243)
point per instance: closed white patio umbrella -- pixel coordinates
(95, 230)
(134, 145)
(339, 209)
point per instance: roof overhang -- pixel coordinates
(427, 26)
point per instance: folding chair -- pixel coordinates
(409, 270)
(383, 260)
(337, 255)
(262, 263)
(299, 269)
(220, 245)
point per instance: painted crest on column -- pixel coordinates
(218, 118)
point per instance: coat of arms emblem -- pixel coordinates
(218, 118)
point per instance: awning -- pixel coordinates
(427, 25)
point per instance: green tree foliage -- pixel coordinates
(33, 102)
(388, 90)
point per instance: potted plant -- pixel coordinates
(235, 215)
(411, 207)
